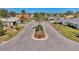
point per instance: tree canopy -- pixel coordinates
(69, 13)
(23, 11)
(40, 16)
(3, 13)
(12, 13)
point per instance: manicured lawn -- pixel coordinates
(67, 31)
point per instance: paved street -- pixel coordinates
(24, 42)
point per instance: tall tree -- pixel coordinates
(76, 14)
(36, 14)
(3, 13)
(39, 17)
(12, 13)
(23, 11)
(69, 13)
(61, 14)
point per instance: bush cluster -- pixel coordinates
(39, 28)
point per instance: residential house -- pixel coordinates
(53, 18)
(71, 22)
(10, 21)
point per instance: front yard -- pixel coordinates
(68, 32)
(10, 32)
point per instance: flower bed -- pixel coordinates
(39, 33)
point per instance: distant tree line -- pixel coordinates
(40, 16)
(5, 13)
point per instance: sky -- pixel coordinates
(46, 10)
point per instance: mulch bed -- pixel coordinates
(39, 34)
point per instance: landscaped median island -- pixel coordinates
(67, 31)
(39, 33)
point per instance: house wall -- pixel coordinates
(77, 26)
(72, 24)
(10, 21)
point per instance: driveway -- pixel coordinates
(24, 42)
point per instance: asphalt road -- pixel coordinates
(24, 42)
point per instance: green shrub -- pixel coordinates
(55, 22)
(11, 32)
(17, 27)
(39, 28)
